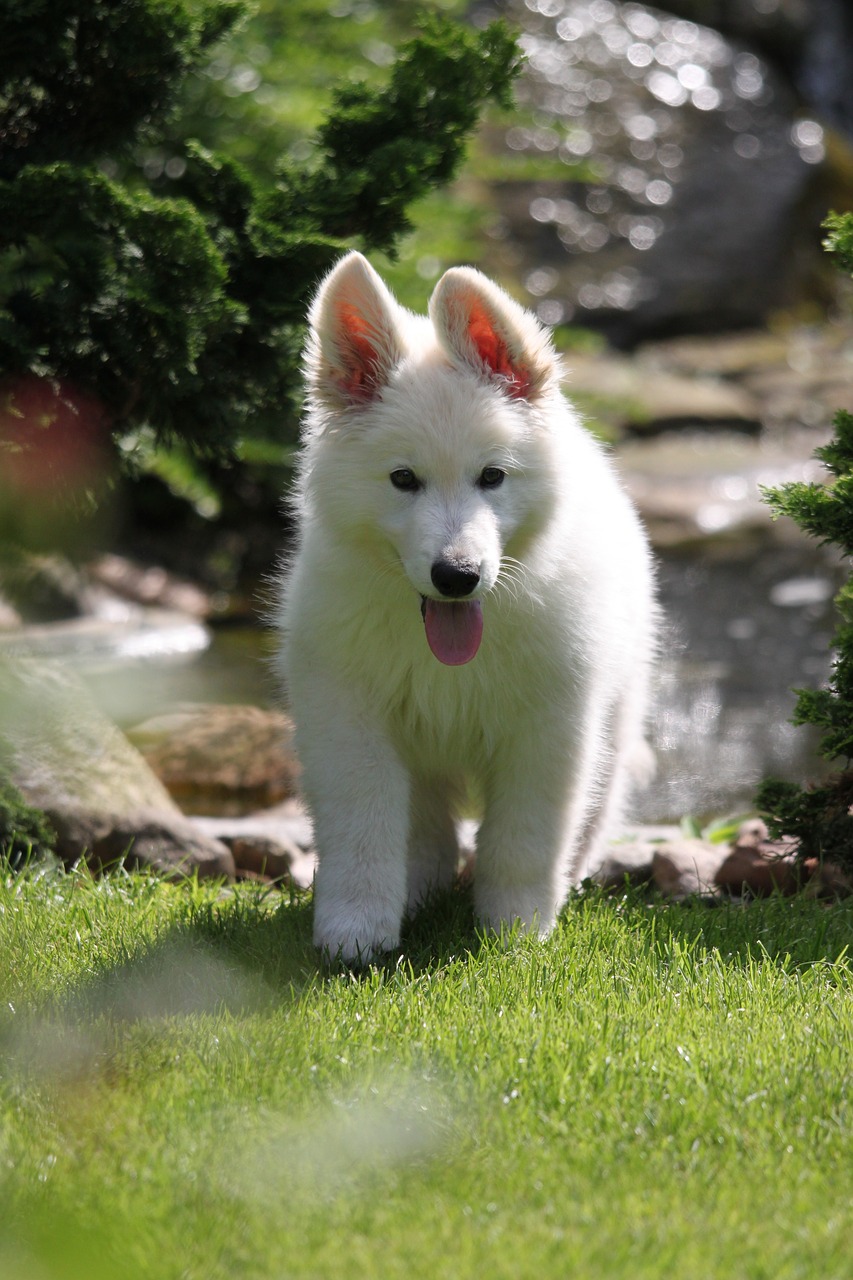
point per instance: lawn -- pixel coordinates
(657, 1090)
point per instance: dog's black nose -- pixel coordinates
(454, 578)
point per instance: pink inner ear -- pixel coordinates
(361, 378)
(494, 353)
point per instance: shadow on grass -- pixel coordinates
(236, 958)
(250, 951)
(793, 932)
(244, 951)
(237, 953)
(796, 931)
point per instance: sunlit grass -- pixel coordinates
(655, 1090)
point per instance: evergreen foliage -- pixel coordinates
(820, 816)
(183, 313)
(83, 79)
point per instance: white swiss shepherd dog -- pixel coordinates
(469, 612)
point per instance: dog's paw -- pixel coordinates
(354, 942)
(504, 912)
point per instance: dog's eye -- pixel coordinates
(405, 479)
(491, 478)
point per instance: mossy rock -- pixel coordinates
(25, 832)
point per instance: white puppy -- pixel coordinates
(468, 617)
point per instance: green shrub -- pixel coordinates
(819, 816)
(183, 314)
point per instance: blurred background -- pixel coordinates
(656, 194)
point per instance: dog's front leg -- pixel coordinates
(536, 804)
(358, 793)
(433, 843)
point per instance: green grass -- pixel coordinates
(657, 1090)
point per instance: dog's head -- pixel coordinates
(431, 434)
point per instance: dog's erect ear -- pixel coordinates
(481, 326)
(355, 338)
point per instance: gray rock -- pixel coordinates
(693, 486)
(276, 844)
(64, 752)
(757, 865)
(10, 619)
(626, 860)
(703, 200)
(728, 355)
(715, 269)
(104, 801)
(647, 399)
(150, 585)
(151, 839)
(42, 587)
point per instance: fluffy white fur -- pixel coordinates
(545, 724)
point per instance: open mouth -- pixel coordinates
(454, 629)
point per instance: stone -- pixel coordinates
(648, 399)
(625, 861)
(758, 865)
(762, 866)
(694, 486)
(752, 864)
(752, 834)
(10, 618)
(826, 879)
(42, 587)
(812, 42)
(151, 839)
(758, 870)
(729, 355)
(64, 752)
(704, 201)
(150, 585)
(221, 760)
(271, 860)
(688, 866)
(276, 844)
(103, 800)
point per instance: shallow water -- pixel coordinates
(232, 668)
(741, 630)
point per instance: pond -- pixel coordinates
(741, 630)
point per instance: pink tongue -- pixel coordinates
(453, 629)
